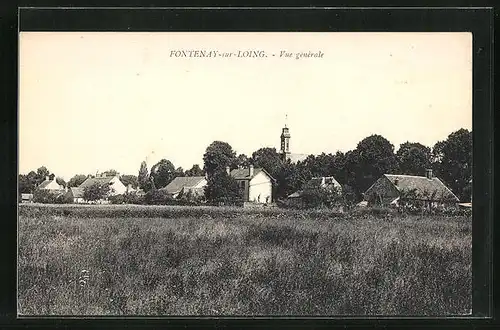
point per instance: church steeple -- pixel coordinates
(285, 140)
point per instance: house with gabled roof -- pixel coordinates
(117, 187)
(49, 184)
(75, 195)
(395, 189)
(184, 184)
(255, 183)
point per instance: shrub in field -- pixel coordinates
(321, 197)
(96, 191)
(50, 197)
(158, 197)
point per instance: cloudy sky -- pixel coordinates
(95, 101)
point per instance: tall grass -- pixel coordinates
(243, 263)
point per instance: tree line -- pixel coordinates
(355, 170)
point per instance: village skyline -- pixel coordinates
(98, 101)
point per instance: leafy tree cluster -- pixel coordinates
(356, 169)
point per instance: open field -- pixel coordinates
(143, 260)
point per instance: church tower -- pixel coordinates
(285, 143)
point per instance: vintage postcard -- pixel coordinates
(245, 174)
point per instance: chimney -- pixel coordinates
(47, 178)
(396, 181)
(228, 170)
(428, 173)
(250, 170)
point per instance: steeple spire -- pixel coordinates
(285, 139)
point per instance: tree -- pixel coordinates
(128, 179)
(143, 177)
(23, 183)
(217, 157)
(42, 173)
(179, 171)
(242, 160)
(77, 180)
(321, 197)
(413, 158)
(291, 178)
(373, 157)
(195, 171)
(162, 173)
(321, 165)
(269, 159)
(348, 195)
(222, 188)
(453, 162)
(28, 183)
(61, 182)
(110, 172)
(96, 191)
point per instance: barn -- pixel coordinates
(395, 189)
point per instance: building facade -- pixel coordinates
(255, 183)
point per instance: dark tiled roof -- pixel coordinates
(244, 173)
(91, 181)
(182, 182)
(422, 186)
(76, 192)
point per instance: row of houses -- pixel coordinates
(393, 190)
(257, 185)
(76, 193)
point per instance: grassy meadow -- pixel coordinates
(148, 260)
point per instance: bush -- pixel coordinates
(158, 197)
(117, 199)
(50, 197)
(127, 198)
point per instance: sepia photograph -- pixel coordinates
(245, 174)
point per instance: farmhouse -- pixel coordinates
(424, 191)
(256, 183)
(193, 184)
(316, 183)
(117, 187)
(75, 194)
(52, 185)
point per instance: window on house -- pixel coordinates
(242, 184)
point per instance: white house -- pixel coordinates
(117, 187)
(256, 183)
(50, 185)
(184, 184)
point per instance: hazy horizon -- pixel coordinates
(96, 101)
